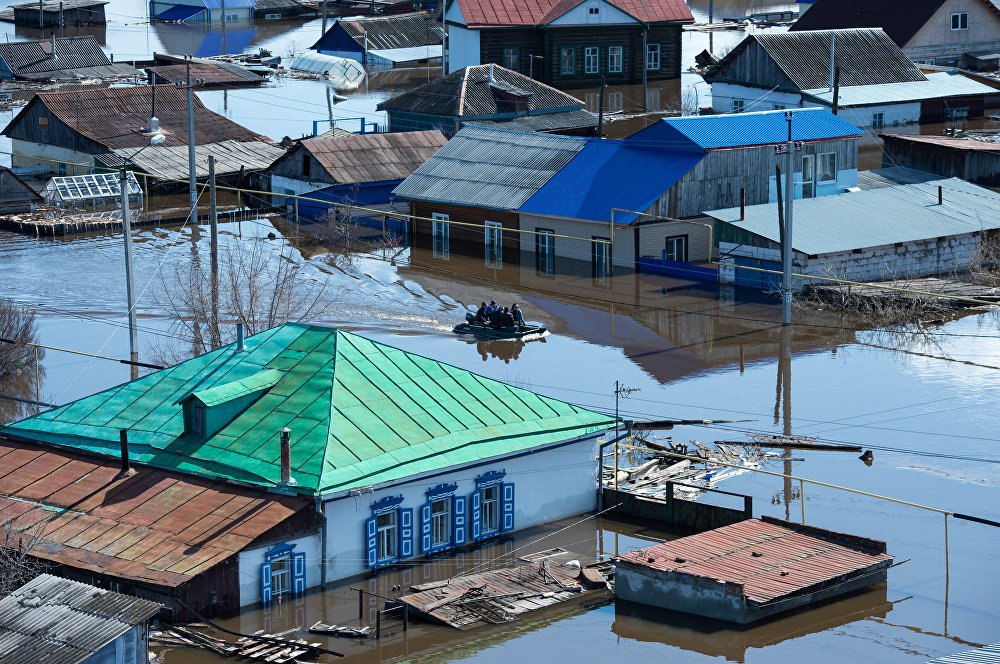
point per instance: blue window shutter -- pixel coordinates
(425, 527)
(265, 581)
(458, 525)
(477, 515)
(406, 532)
(371, 541)
(298, 572)
(508, 507)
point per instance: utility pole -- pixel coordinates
(41, 16)
(214, 244)
(223, 7)
(645, 67)
(62, 21)
(600, 109)
(621, 392)
(133, 336)
(324, 17)
(192, 173)
(786, 244)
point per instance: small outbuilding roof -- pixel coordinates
(876, 217)
(547, 122)
(358, 158)
(58, 621)
(937, 85)
(391, 32)
(206, 73)
(75, 58)
(950, 142)
(731, 130)
(170, 162)
(764, 559)
(985, 655)
(497, 13)
(482, 92)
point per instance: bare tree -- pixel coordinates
(18, 328)
(17, 565)
(351, 236)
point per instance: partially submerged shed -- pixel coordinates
(205, 75)
(67, 58)
(384, 41)
(15, 195)
(59, 621)
(750, 570)
(56, 13)
(975, 159)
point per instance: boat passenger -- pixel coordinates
(515, 311)
(503, 319)
(481, 316)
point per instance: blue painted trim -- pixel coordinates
(278, 551)
(490, 478)
(441, 491)
(387, 504)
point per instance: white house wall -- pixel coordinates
(549, 485)
(894, 115)
(282, 186)
(250, 560)
(754, 99)
(463, 47)
(27, 154)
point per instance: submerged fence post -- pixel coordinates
(37, 390)
(802, 499)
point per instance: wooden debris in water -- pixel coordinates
(342, 630)
(274, 649)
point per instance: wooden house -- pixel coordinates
(15, 195)
(488, 94)
(59, 13)
(965, 157)
(59, 59)
(65, 130)
(306, 456)
(385, 41)
(570, 44)
(877, 86)
(962, 33)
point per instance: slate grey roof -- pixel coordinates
(490, 168)
(865, 57)
(170, 162)
(394, 31)
(578, 119)
(58, 621)
(78, 57)
(890, 177)
(985, 655)
(469, 92)
(876, 217)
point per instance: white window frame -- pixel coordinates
(387, 547)
(441, 522)
(567, 61)
(821, 167)
(493, 243)
(591, 59)
(440, 235)
(738, 105)
(491, 507)
(653, 57)
(281, 579)
(616, 59)
(512, 58)
(677, 242)
(545, 259)
(878, 120)
(808, 176)
(600, 259)
(959, 21)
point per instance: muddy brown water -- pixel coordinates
(925, 406)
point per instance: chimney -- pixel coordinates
(286, 458)
(940, 195)
(239, 338)
(491, 79)
(833, 44)
(743, 204)
(126, 466)
(52, 47)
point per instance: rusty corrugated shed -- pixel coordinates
(207, 73)
(117, 117)
(154, 527)
(362, 158)
(75, 58)
(766, 559)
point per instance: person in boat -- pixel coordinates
(482, 318)
(503, 319)
(515, 311)
(492, 310)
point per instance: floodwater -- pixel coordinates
(924, 406)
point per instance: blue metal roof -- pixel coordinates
(610, 174)
(710, 132)
(179, 13)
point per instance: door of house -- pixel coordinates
(494, 244)
(808, 176)
(676, 249)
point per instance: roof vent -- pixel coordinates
(208, 411)
(154, 125)
(52, 47)
(491, 78)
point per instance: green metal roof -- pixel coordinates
(360, 412)
(220, 394)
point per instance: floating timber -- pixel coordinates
(945, 293)
(792, 442)
(501, 596)
(258, 646)
(342, 630)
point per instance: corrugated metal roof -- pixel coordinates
(951, 142)
(56, 5)
(469, 93)
(391, 32)
(893, 176)
(876, 217)
(209, 73)
(494, 13)
(985, 655)
(611, 174)
(411, 54)
(936, 86)
(170, 162)
(77, 57)
(117, 117)
(865, 57)
(361, 413)
(358, 158)
(711, 132)
(155, 527)
(490, 168)
(768, 559)
(58, 621)
(220, 394)
(578, 119)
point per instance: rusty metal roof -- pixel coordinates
(77, 57)
(954, 142)
(374, 157)
(156, 527)
(208, 73)
(497, 13)
(58, 621)
(766, 558)
(117, 117)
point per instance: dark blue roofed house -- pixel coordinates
(384, 41)
(202, 11)
(572, 205)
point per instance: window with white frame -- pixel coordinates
(960, 21)
(492, 506)
(493, 242)
(591, 101)
(600, 256)
(738, 105)
(592, 60)
(567, 61)
(826, 167)
(440, 235)
(388, 536)
(491, 509)
(512, 58)
(652, 57)
(615, 59)
(676, 249)
(616, 101)
(545, 251)
(808, 176)
(878, 120)
(441, 522)
(281, 575)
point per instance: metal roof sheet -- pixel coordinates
(220, 394)
(711, 132)
(876, 217)
(608, 175)
(495, 13)
(170, 162)
(988, 142)
(490, 168)
(388, 32)
(578, 119)
(936, 86)
(180, 12)
(358, 158)
(361, 413)
(56, 5)
(58, 621)
(985, 655)
(155, 527)
(901, 19)
(409, 54)
(77, 57)
(768, 559)
(208, 73)
(471, 92)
